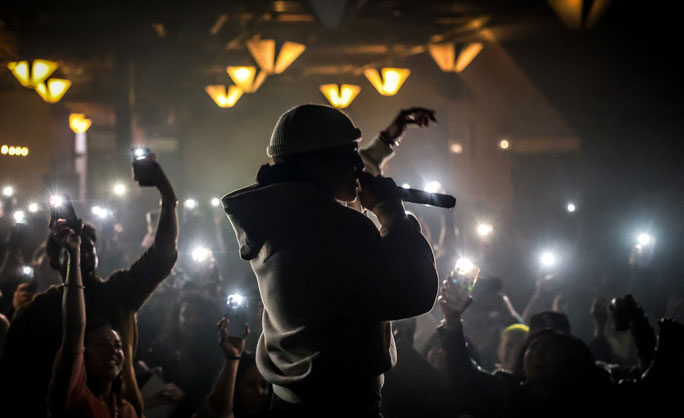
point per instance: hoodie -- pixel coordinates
(330, 283)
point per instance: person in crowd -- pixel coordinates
(4, 326)
(512, 339)
(186, 353)
(240, 390)
(86, 377)
(35, 334)
(329, 280)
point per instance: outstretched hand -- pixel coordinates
(417, 116)
(599, 310)
(232, 346)
(66, 235)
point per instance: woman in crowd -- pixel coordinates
(86, 379)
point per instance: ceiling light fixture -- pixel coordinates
(340, 96)
(445, 55)
(264, 53)
(222, 98)
(391, 81)
(246, 77)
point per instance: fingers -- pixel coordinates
(418, 116)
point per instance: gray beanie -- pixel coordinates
(311, 127)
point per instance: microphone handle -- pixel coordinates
(426, 198)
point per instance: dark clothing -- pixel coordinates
(35, 334)
(330, 283)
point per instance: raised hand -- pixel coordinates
(453, 300)
(232, 347)
(417, 116)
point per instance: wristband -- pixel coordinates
(233, 357)
(385, 140)
(78, 286)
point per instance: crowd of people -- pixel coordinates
(348, 288)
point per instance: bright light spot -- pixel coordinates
(464, 266)
(571, 207)
(100, 212)
(234, 301)
(644, 239)
(27, 271)
(190, 204)
(456, 148)
(504, 144)
(547, 259)
(19, 216)
(484, 229)
(406, 186)
(201, 254)
(33, 207)
(215, 202)
(4, 150)
(8, 191)
(119, 189)
(139, 152)
(56, 200)
(433, 186)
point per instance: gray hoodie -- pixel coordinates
(330, 284)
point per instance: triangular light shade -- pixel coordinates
(574, 15)
(53, 89)
(223, 99)
(79, 123)
(445, 55)
(246, 77)
(342, 96)
(40, 71)
(263, 52)
(391, 81)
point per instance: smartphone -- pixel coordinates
(236, 312)
(142, 158)
(61, 208)
(27, 273)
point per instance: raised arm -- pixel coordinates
(70, 355)
(156, 263)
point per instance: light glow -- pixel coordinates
(504, 144)
(40, 70)
(19, 217)
(201, 254)
(432, 186)
(467, 55)
(340, 96)
(15, 151)
(571, 207)
(56, 200)
(246, 78)
(406, 186)
(215, 202)
(391, 81)
(464, 266)
(445, 55)
(33, 207)
(190, 204)
(235, 300)
(79, 123)
(53, 89)
(221, 98)
(644, 239)
(456, 148)
(119, 189)
(263, 52)
(547, 259)
(484, 229)
(8, 191)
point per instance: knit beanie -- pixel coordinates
(311, 127)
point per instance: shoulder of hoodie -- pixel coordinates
(352, 221)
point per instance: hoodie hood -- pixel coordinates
(258, 212)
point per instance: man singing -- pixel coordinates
(329, 280)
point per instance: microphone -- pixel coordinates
(426, 198)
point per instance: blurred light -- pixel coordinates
(119, 189)
(40, 71)
(464, 266)
(547, 259)
(139, 153)
(571, 207)
(263, 52)
(190, 204)
(342, 96)
(504, 144)
(456, 148)
(234, 300)
(406, 186)
(56, 200)
(27, 271)
(579, 14)
(223, 99)
(16, 151)
(432, 186)
(467, 55)
(33, 207)
(53, 89)
(8, 191)
(215, 202)
(100, 212)
(79, 123)
(19, 217)
(201, 254)
(484, 229)
(391, 80)
(644, 239)
(246, 78)
(445, 55)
